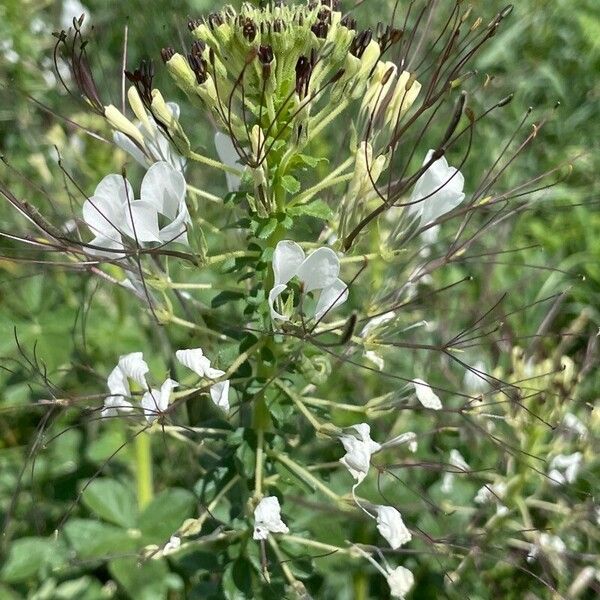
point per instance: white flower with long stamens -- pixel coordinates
(112, 211)
(267, 518)
(438, 191)
(317, 272)
(229, 156)
(392, 527)
(156, 146)
(359, 448)
(426, 396)
(154, 402)
(195, 360)
(564, 468)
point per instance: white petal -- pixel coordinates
(176, 231)
(426, 395)
(195, 360)
(287, 258)
(164, 187)
(141, 221)
(126, 144)
(228, 155)
(150, 403)
(103, 213)
(331, 297)
(440, 190)
(392, 527)
(108, 244)
(320, 270)
(134, 366)
(219, 393)
(273, 295)
(117, 382)
(400, 581)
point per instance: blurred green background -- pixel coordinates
(549, 52)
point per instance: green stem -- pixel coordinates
(143, 469)
(314, 544)
(304, 474)
(214, 163)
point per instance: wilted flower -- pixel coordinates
(392, 527)
(173, 544)
(438, 191)
(426, 396)
(359, 449)
(400, 580)
(155, 402)
(318, 271)
(267, 518)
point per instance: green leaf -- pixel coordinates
(290, 184)
(141, 580)
(265, 230)
(26, 558)
(225, 297)
(112, 501)
(317, 209)
(311, 161)
(93, 539)
(237, 580)
(165, 514)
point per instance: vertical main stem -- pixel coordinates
(143, 469)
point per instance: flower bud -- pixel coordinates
(121, 123)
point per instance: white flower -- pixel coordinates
(112, 211)
(155, 402)
(195, 360)
(400, 581)
(229, 156)
(318, 271)
(438, 191)
(173, 544)
(456, 460)
(426, 395)
(359, 449)
(549, 544)
(267, 518)
(573, 424)
(489, 493)
(564, 468)
(130, 366)
(157, 146)
(391, 526)
(219, 393)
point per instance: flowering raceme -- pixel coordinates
(296, 124)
